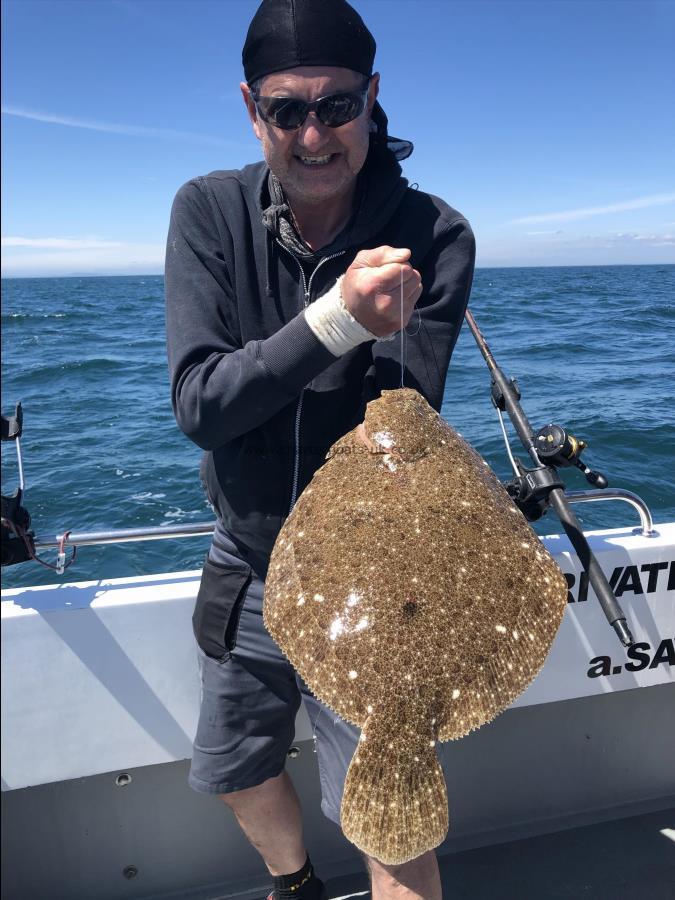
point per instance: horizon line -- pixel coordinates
(503, 266)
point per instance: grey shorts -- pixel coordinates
(251, 693)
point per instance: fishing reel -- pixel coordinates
(557, 447)
(17, 538)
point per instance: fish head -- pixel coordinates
(403, 426)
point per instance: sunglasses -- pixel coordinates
(333, 110)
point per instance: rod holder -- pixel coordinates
(629, 497)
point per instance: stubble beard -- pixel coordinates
(312, 191)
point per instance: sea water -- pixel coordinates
(592, 348)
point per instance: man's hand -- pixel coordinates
(371, 289)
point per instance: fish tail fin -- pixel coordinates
(395, 803)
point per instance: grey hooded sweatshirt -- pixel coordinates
(251, 384)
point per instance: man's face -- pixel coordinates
(314, 163)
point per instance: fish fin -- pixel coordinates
(517, 658)
(395, 803)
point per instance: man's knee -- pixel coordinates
(236, 799)
(402, 874)
(247, 797)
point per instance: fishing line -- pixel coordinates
(419, 324)
(402, 332)
(61, 564)
(508, 446)
(405, 333)
(314, 724)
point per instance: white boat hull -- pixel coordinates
(100, 680)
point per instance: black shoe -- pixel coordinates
(323, 893)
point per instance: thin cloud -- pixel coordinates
(170, 134)
(64, 256)
(51, 243)
(658, 240)
(534, 233)
(599, 249)
(589, 211)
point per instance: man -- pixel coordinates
(288, 284)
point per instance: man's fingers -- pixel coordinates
(380, 289)
(381, 256)
(414, 290)
(387, 279)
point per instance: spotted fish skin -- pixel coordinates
(416, 602)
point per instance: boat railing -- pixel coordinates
(124, 535)
(647, 529)
(199, 529)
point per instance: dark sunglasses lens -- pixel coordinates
(284, 112)
(289, 113)
(340, 109)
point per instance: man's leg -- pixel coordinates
(270, 817)
(246, 724)
(336, 741)
(418, 879)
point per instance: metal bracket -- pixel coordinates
(634, 500)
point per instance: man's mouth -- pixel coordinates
(317, 160)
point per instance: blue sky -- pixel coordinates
(548, 123)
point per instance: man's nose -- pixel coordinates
(313, 134)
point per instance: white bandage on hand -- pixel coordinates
(335, 326)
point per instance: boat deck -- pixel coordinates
(626, 859)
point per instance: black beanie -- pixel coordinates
(285, 34)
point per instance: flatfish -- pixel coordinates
(416, 602)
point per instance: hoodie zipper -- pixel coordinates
(307, 288)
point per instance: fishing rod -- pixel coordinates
(535, 489)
